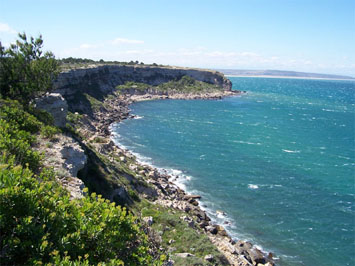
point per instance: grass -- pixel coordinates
(169, 226)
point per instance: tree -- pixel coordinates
(25, 71)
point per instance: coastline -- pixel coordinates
(171, 195)
(284, 77)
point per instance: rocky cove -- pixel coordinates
(94, 105)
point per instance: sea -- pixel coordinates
(274, 165)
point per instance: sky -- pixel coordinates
(300, 35)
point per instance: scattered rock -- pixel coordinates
(220, 213)
(257, 256)
(149, 220)
(209, 257)
(212, 229)
(169, 263)
(184, 255)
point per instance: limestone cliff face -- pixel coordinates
(103, 79)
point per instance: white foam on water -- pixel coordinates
(290, 151)
(252, 186)
(137, 117)
(246, 142)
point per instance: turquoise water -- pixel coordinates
(278, 160)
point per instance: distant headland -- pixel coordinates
(280, 74)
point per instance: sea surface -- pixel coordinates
(279, 160)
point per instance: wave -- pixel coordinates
(252, 186)
(290, 151)
(246, 142)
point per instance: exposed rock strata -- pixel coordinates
(66, 157)
(105, 78)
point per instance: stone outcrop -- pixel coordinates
(54, 104)
(103, 79)
(74, 158)
(66, 157)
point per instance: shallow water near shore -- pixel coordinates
(278, 160)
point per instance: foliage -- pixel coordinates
(25, 71)
(17, 133)
(95, 104)
(16, 143)
(49, 131)
(74, 117)
(133, 85)
(14, 113)
(185, 84)
(39, 223)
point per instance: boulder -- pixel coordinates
(221, 230)
(188, 197)
(54, 104)
(74, 158)
(257, 256)
(243, 247)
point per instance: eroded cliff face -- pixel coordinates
(103, 79)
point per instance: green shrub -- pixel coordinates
(40, 224)
(16, 143)
(49, 131)
(13, 112)
(74, 117)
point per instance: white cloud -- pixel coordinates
(6, 28)
(88, 46)
(118, 41)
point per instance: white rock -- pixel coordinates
(56, 105)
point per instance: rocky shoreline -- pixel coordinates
(168, 194)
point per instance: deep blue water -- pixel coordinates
(278, 160)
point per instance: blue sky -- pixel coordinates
(301, 35)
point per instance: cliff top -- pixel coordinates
(66, 67)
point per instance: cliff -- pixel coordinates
(104, 78)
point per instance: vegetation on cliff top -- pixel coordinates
(183, 84)
(26, 72)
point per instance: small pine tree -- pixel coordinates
(25, 71)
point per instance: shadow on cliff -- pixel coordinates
(100, 178)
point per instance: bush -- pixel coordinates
(13, 112)
(16, 144)
(49, 131)
(39, 223)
